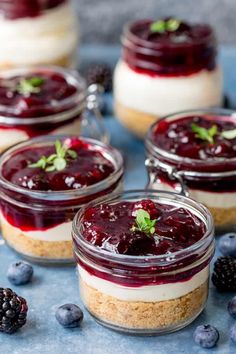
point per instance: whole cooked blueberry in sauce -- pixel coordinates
(197, 137)
(117, 228)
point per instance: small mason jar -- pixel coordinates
(144, 294)
(24, 116)
(211, 182)
(38, 33)
(159, 74)
(36, 223)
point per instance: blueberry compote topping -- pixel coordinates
(16, 9)
(169, 47)
(111, 227)
(197, 137)
(83, 166)
(35, 94)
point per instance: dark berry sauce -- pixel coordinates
(88, 168)
(17, 9)
(185, 51)
(177, 137)
(109, 228)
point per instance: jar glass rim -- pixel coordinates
(112, 154)
(202, 211)
(157, 151)
(78, 98)
(128, 33)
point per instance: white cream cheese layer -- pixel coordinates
(58, 233)
(164, 95)
(46, 38)
(149, 293)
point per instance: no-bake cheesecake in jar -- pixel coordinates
(43, 183)
(143, 260)
(36, 32)
(195, 153)
(41, 101)
(166, 66)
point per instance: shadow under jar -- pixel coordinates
(139, 281)
(44, 182)
(165, 72)
(34, 32)
(194, 153)
(47, 100)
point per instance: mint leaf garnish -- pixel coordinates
(144, 223)
(161, 26)
(57, 161)
(27, 86)
(229, 134)
(205, 134)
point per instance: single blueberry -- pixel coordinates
(69, 315)
(232, 307)
(20, 273)
(233, 333)
(227, 244)
(206, 336)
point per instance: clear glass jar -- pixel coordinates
(154, 78)
(145, 294)
(74, 114)
(211, 182)
(38, 33)
(37, 224)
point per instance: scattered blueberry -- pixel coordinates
(227, 244)
(206, 336)
(69, 315)
(20, 273)
(233, 333)
(232, 307)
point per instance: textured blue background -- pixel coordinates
(102, 20)
(53, 287)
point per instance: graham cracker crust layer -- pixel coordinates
(30, 247)
(224, 217)
(135, 121)
(143, 315)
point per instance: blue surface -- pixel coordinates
(53, 286)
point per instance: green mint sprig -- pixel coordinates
(144, 223)
(27, 86)
(161, 26)
(205, 134)
(57, 161)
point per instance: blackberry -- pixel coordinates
(100, 74)
(224, 274)
(13, 311)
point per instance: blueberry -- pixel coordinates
(232, 307)
(20, 273)
(227, 244)
(233, 333)
(206, 336)
(69, 315)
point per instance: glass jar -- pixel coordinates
(37, 223)
(211, 182)
(38, 33)
(145, 294)
(23, 117)
(157, 76)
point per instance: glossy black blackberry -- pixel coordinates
(224, 274)
(13, 311)
(100, 74)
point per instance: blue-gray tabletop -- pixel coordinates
(53, 286)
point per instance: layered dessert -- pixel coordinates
(39, 101)
(35, 32)
(166, 66)
(44, 182)
(140, 266)
(195, 153)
